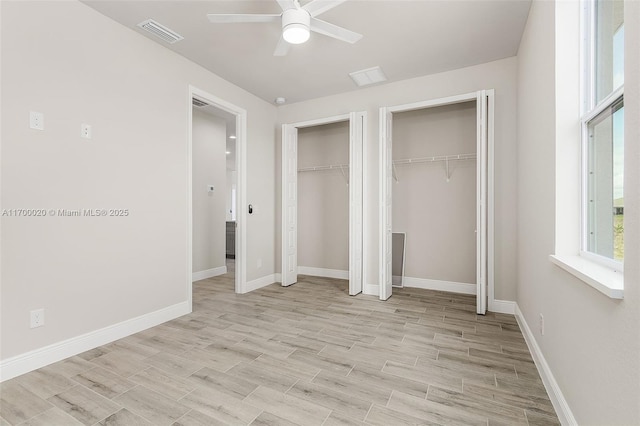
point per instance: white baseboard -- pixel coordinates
(38, 358)
(209, 273)
(259, 283)
(502, 306)
(553, 389)
(323, 272)
(450, 286)
(371, 289)
(278, 277)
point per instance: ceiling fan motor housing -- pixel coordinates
(295, 25)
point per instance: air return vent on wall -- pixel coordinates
(197, 102)
(160, 31)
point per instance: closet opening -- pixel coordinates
(323, 201)
(216, 189)
(435, 172)
(322, 196)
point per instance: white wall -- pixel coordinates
(438, 216)
(323, 197)
(209, 168)
(499, 75)
(591, 342)
(76, 66)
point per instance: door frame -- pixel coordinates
(289, 253)
(485, 288)
(241, 187)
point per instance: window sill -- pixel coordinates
(603, 279)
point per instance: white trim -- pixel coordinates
(32, 360)
(551, 385)
(241, 187)
(450, 286)
(434, 102)
(365, 205)
(491, 246)
(277, 277)
(323, 272)
(260, 282)
(321, 121)
(606, 280)
(209, 273)
(502, 306)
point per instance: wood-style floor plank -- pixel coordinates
(308, 354)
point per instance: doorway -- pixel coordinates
(352, 173)
(482, 132)
(216, 152)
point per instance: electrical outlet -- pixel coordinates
(37, 318)
(36, 120)
(85, 131)
(260, 263)
(541, 324)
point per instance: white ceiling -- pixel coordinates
(406, 38)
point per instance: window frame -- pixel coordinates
(589, 111)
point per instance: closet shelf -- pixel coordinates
(341, 167)
(435, 159)
(320, 168)
(445, 158)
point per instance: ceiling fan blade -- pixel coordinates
(282, 48)
(334, 31)
(287, 4)
(241, 17)
(317, 7)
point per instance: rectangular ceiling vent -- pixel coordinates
(197, 102)
(368, 76)
(160, 31)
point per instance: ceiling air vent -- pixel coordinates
(160, 31)
(368, 76)
(197, 102)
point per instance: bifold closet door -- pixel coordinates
(356, 248)
(290, 205)
(386, 206)
(481, 181)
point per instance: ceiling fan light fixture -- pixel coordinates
(296, 33)
(296, 26)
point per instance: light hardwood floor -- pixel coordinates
(308, 354)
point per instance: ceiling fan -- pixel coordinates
(297, 22)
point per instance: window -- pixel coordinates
(603, 133)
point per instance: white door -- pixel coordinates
(481, 181)
(356, 142)
(289, 205)
(386, 159)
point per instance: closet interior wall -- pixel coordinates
(437, 213)
(323, 199)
